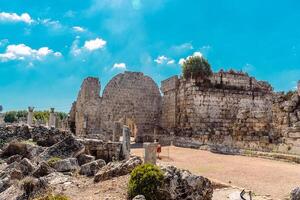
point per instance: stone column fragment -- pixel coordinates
(30, 116)
(126, 142)
(52, 118)
(150, 153)
(117, 131)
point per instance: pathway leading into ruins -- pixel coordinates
(262, 176)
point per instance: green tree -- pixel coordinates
(10, 117)
(196, 67)
(61, 115)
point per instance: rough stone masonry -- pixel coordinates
(231, 110)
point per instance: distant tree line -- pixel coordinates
(21, 115)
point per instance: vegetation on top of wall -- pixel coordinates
(196, 67)
(289, 94)
(42, 116)
(145, 180)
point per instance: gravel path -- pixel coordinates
(262, 176)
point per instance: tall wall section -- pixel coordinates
(232, 109)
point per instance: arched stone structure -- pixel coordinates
(134, 96)
(131, 98)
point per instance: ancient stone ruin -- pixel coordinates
(231, 111)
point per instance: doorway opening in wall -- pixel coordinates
(133, 128)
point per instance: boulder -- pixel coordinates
(42, 170)
(14, 158)
(12, 193)
(182, 185)
(66, 165)
(91, 168)
(4, 183)
(84, 158)
(33, 187)
(69, 147)
(26, 166)
(12, 132)
(295, 194)
(47, 137)
(22, 149)
(139, 197)
(15, 148)
(115, 169)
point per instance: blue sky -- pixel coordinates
(48, 47)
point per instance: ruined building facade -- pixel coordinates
(230, 109)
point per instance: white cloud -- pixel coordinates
(195, 54)
(171, 62)
(164, 60)
(119, 66)
(183, 47)
(95, 44)
(78, 29)
(161, 59)
(14, 17)
(22, 52)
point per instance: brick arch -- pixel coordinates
(134, 96)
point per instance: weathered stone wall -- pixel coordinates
(87, 108)
(131, 98)
(231, 109)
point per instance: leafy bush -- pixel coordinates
(53, 197)
(10, 117)
(51, 162)
(196, 67)
(145, 180)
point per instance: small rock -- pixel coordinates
(91, 168)
(139, 197)
(43, 170)
(26, 166)
(13, 158)
(84, 158)
(66, 165)
(295, 194)
(69, 147)
(115, 169)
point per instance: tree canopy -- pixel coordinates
(196, 67)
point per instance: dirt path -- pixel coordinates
(262, 176)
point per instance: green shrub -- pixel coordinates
(51, 162)
(196, 67)
(145, 180)
(53, 197)
(10, 117)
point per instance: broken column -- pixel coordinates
(30, 116)
(126, 142)
(150, 153)
(117, 131)
(52, 118)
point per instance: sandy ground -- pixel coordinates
(262, 176)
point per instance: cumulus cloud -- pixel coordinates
(14, 17)
(89, 46)
(78, 29)
(195, 54)
(164, 60)
(119, 66)
(95, 44)
(22, 52)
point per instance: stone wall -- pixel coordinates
(131, 98)
(231, 109)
